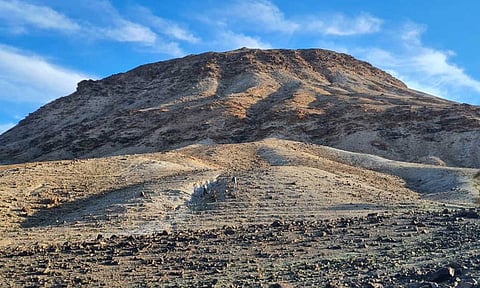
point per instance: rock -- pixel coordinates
(470, 214)
(229, 230)
(46, 271)
(374, 285)
(442, 274)
(279, 285)
(277, 223)
(468, 283)
(334, 284)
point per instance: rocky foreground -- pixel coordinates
(272, 213)
(388, 249)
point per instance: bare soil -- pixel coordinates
(296, 215)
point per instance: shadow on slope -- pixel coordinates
(437, 183)
(98, 207)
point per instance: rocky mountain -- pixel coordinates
(315, 96)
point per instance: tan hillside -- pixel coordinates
(315, 96)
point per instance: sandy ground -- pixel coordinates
(253, 214)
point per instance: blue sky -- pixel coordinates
(46, 47)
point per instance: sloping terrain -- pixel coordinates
(297, 213)
(273, 178)
(315, 96)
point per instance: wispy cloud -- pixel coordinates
(127, 31)
(120, 28)
(30, 78)
(109, 25)
(249, 23)
(263, 15)
(113, 26)
(341, 25)
(164, 26)
(20, 16)
(231, 40)
(260, 14)
(422, 67)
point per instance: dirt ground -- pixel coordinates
(265, 214)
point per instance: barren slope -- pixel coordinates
(314, 96)
(299, 213)
(275, 179)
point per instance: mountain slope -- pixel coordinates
(313, 95)
(275, 178)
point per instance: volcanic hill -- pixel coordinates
(315, 96)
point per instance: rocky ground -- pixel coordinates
(387, 249)
(271, 213)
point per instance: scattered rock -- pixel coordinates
(374, 285)
(468, 283)
(442, 274)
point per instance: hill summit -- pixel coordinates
(313, 95)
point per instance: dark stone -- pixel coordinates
(277, 223)
(279, 285)
(374, 285)
(469, 214)
(229, 231)
(442, 274)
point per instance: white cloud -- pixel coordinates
(231, 40)
(244, 23)
(423, 68)
(165, 27)
(29, 78)
(178, 32)
(411, 34)
(116, 27)
(126, 31)
(18, 15)
(113, 26)
(259, 15)
(171, 48)
(340, 25)
(5, 126)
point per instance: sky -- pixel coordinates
(47, 47)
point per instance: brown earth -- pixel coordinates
(300, 214)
